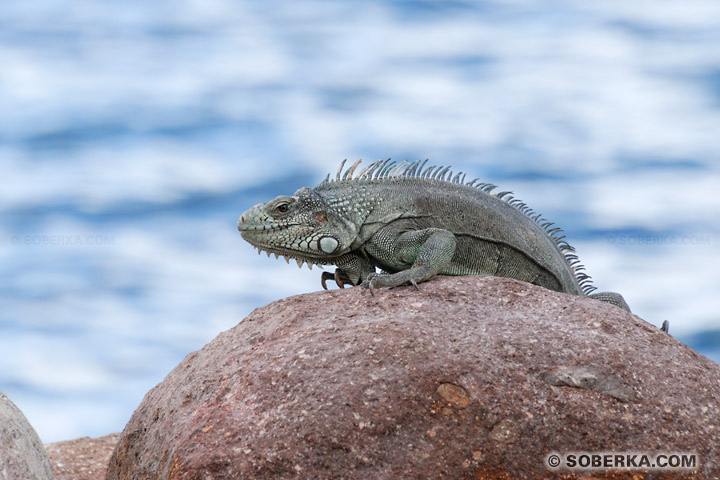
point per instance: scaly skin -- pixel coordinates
(414, 223)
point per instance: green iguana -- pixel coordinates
(413, 223)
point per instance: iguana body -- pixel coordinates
(413, 223)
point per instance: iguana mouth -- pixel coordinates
(266, 226)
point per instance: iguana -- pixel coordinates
(414, 222)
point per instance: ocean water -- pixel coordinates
(133, 134)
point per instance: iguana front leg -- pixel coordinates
(352, 269)
(416, 255)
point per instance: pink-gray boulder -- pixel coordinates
(83, 458)
(22, 455)
(467, 377)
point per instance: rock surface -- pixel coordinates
(81, 459)
(469, 377)
(22, 455)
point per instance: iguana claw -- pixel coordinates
(339, 276)
(368, 284)
(324, 277)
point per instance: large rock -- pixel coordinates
(470, 377)
(83, 458)
(22, 455)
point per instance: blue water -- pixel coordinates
(133, 134)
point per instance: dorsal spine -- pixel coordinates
(383, 170)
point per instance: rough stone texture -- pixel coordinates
(81, 459)
(458, 379)
(22, 455)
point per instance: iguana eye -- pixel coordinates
(282, 208)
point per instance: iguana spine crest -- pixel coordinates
(391, 170)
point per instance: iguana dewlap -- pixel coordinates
(413, 223)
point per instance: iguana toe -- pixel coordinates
(340, 278)
(325, 276)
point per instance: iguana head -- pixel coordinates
(299, 227)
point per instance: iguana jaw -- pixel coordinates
(285, 226)
(262, 240)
